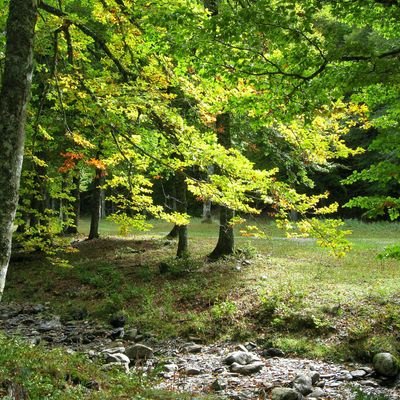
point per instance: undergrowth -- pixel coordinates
(277, 291)
(40, 374)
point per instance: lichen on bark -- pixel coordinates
(14, 97)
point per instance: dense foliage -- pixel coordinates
(126, 99)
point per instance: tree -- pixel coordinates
(14, 97)
(225, 244)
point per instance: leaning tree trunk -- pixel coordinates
(14, 98)
(181, 207)
(226, 242)
(95, 204)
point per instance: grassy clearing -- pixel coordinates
(280, 292)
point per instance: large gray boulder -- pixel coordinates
(385, 364)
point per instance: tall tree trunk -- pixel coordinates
(95, 204)
(181, 207)
(174, 232)
(14, 98)
(226, 243)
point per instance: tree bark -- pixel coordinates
(14, 98)
(95, 204)
(174, 232)
(181, 207)
(226, 243)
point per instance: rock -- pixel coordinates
(247, 369)
(131, 334)
(317, 393)
(385, 364)
(34, 341)
(139, 352)
(192, 370)
(273, 352)
(195, 339)
(117, 321)
(368, 383)
(250, 346)
(170, 367)
(282, 393)
(344, 376)
(241, 357)
(52, 325)
(193, 348)
(112, 350)
(117, 358)
(315, 377)
(37, 308)
(303, 384)
(358, 373)
(117, 333)
(218, 385)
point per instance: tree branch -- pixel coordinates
(126, 75)
(387, 54)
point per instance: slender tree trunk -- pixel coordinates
(14, 98)
(226, 243)
(95, 204)
(102, 204)
(39, 196)
(76, 194)
(207, 216)
(174, 233)
(181, 207)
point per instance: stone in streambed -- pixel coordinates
(282, 393)
(385, 364)
(241, 357)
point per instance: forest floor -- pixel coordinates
(277, 292)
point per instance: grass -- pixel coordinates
(39, 374)
(292, 294)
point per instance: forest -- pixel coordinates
(199, 199)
